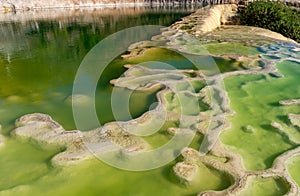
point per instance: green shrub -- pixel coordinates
(274, 16)
(186, 27)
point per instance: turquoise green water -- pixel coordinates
(22, 163)
(255, 99)
(265, 186)
(94, 177)
(36, 75)
(294, 168)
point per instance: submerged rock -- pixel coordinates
(1, 138)
(15, 99)
(1, 141)
(248, 129)
(78, 99)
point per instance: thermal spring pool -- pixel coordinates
(231, 93)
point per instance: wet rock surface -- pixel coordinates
(42, 130)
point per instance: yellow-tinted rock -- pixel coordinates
(185, 171)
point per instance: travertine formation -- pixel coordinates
(177, 88)
(44, 131)
(186, 170)
(176, 39)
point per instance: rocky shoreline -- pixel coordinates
(17, 5)
(86, 15)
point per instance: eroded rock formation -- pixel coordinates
(45, 132)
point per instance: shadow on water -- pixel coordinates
(284, 119)
(269, 160)
(274, 104)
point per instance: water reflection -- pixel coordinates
(41, 51)
(83, 27)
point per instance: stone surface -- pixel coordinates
(42, 130)
(14, 5)
(295, 119)
(116, 133)
(185, 171)
(290, 102)
(218, 15)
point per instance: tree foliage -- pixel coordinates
(274, 16)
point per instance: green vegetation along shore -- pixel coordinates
(273, 15)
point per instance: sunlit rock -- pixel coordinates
(188, 169)
(114, 133)
(71, 156)
(174, 131)
(295, 119)
(16, 5)
(202, 127)
(185, 171)
(290, 102)
(218, 15)
(44, 131)
(190, 155)
(276, 125)
(37, 118)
